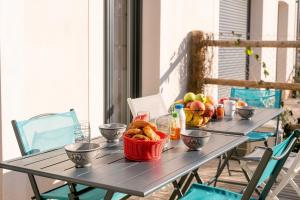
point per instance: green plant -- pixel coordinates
(287, 119)
(249, 52)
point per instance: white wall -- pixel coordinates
(151, 47)
(264, 21)
(165, 60)
(47, 65)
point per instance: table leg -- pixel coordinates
(182, 187)
(198, 178)
(220, 170)
(109, 195)
(177, 189)
(72, 195)
(194, 174)
(180, 184)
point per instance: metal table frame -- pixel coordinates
(157, 173)
(177, 163)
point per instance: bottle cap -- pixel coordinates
(179, 106)
(175, 114)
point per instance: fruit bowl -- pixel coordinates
(195, 118)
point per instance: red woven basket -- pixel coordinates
(139, 150)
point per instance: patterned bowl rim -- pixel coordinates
(68, 148)
(205, 134)
(245, 108)
(118, 126)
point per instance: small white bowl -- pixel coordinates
(195, 139)
(246, 112)
(82, 154)
(112, 132)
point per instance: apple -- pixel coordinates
(198, 106)
(221, 101)
(210, 99)
(209, 110)
(188, 105)
(201, 97)
(190, 96)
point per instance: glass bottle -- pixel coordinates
(174, 126)
(220, 111)
(180, 111)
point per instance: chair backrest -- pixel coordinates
(153, 104)
(270, 166)
(261, 98)
(45, 132)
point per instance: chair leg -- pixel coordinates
(287, 178)
(295, 186)
(266, 143)
(246, 171)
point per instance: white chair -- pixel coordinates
(290, 170)
(153, 104)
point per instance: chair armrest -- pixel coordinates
(286, 151)
(255, 155)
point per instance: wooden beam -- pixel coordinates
(253, 43)
(196, 68)
(253, 84)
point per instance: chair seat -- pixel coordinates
(204, 192)
(259, 136)
(61, 193)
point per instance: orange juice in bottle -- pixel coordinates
(175, 127)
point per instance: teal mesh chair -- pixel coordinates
(264, 176)
(260, 98)
(49, 131)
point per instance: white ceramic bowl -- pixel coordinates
(195, 139)
(112, 132)
(246, 112)
(82, 154)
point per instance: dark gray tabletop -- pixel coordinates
(239, 126)
(112, 171)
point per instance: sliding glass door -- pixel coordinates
(122, 57)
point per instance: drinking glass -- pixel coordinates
(163, 125)
(229, 107)
(82, 132)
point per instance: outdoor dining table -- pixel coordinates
(237, 125)
(113, 172)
